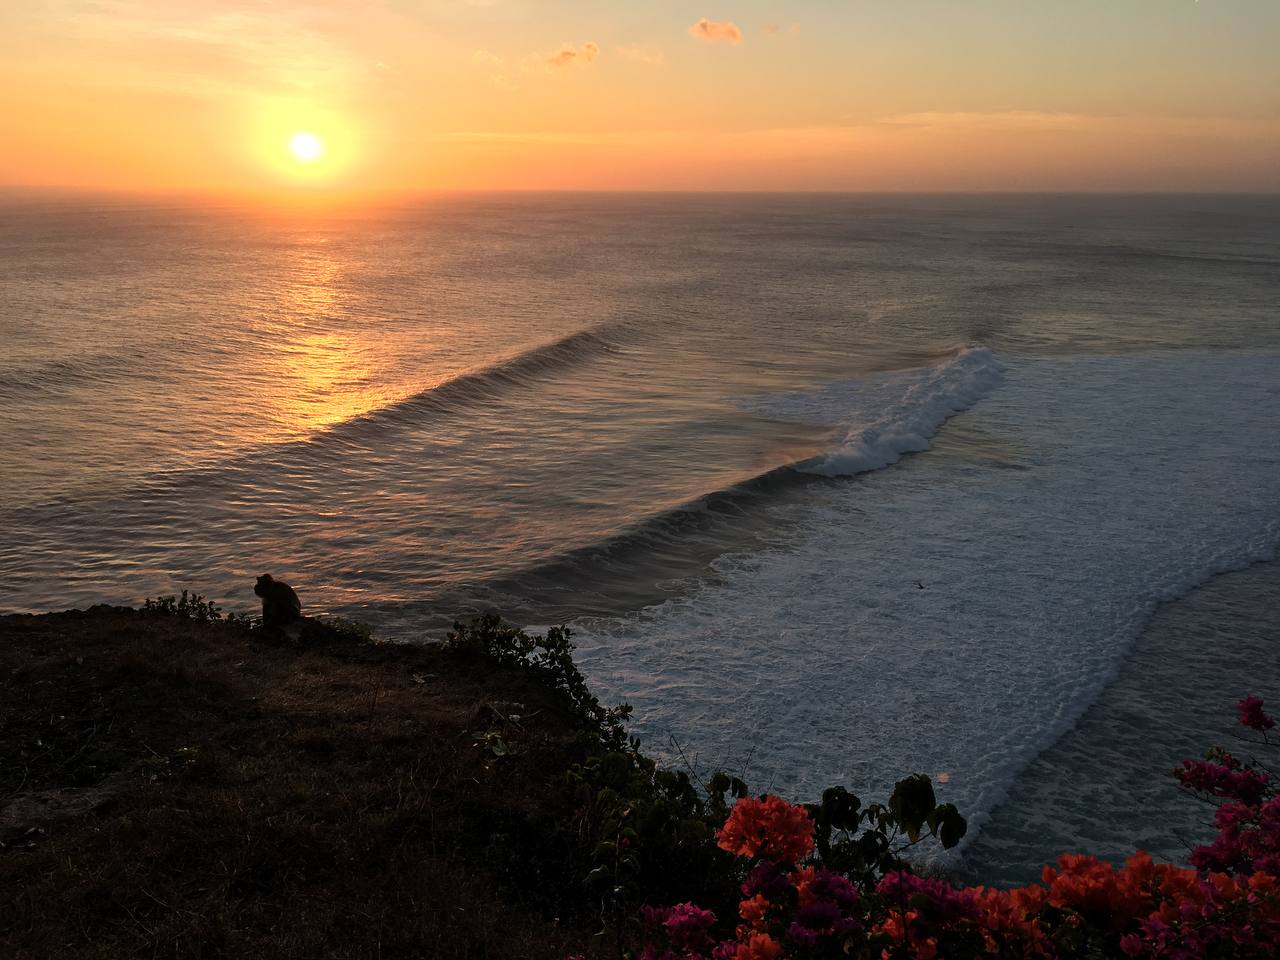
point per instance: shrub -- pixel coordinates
(648, 832)
(352, 630)
(550, 659)
(188, 606)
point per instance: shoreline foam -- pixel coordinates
(954, 614)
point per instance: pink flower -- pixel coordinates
(1251, 714)
(687, 927)
(1226, 779)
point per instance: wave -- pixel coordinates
(53, 377)
(908, 425)
(333, 445)
(685, 539)
(490, 382)
(886, 415)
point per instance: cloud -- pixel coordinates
(569, 54)
(651, 56)
(1014, 123)
(713, 31)
(1022, 119)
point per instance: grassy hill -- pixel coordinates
(180, 788)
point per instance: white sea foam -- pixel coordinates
(891, 414)
(957, 612)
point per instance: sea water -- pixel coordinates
(833, 488)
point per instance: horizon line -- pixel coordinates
(425, 193)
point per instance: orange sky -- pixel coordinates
(412, 95)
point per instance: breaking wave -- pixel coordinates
(886, 415)
(907, 426)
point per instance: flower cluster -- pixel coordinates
(1223, 776)
(1252, 715)
(1217, 916)
(1226, 905)
(785, 911)
(1248, 840)
(685, 928)
(769, 828)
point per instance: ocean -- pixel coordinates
(832, 489)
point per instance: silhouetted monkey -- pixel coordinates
(280, 605)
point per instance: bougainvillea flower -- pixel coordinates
(769, 828)
(1252, 716)
(759, 946)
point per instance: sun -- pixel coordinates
(306, 147)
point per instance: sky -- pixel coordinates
(404, 96)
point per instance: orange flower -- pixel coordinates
(1264, 885)
(1091, 887)
(899, 928)
(1013, 916)
(891, 925)
(1029, 900)
(759, 946)
(769, 827)
(802, 878)
(753, 911)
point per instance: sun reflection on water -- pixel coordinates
(324, 372)
(329, 379)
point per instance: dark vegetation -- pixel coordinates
(180, 784)
(176, 785)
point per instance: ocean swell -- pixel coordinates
(884, 417)
(488, 382)
(59, 376)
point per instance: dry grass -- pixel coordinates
(171, 789)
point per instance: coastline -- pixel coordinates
(1105, 786)
(185, 781)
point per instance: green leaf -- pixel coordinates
(840, 808)
(911, 803)
(947, 823)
